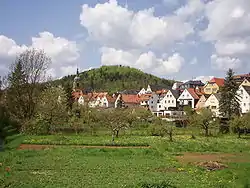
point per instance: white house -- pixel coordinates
(189, 97)
(169, 100)
(164, 101)
(99, 100)
(144, 91)
(81, 100)
(213, 103)
(244, 93)
(153, 101)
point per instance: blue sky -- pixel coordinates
(178, 39)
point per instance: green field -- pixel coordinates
(162, 165)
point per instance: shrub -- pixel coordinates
(36, 126)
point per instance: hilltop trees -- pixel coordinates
(229, 101)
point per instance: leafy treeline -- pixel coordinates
(115, 78)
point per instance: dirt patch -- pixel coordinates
(219, 157)
(212, 165)
(41, 147)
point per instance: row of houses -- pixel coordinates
(169, 102)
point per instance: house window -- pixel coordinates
(170, 95)
(172, 101)
(165, 101)
(159, 106)
(187, 95)
(241, 92)
(244, 104)
(158, 101)
(151, 106)
(213, 107)
(169, 101)
(152, 102)
(167, 95)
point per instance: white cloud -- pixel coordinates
(115, 26)
(192, 8)
(204, 79)
(147, 62)
(227, 18)
(229, 31)
(225, 62)
(63, 52)
(233, 47)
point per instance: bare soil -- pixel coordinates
(41, 147)
(215, 157)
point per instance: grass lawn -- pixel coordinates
(163, 165)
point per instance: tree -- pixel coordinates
(52, 105)
(204, 120)
(162, 128)
(115, 120)
(229, 101)
(70, 99)
(27, 72)
(240, 124)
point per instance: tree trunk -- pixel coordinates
(206, 131)
(113, 137)
(239, 133)
(117, 134)
(170, 136)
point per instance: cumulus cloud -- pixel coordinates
(117, 27)
(225, 62)
(228, 29)
(147, 62)
(63, 52)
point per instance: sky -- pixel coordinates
(175, 39)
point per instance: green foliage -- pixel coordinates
(115, 78)
(204, 119)
(36, 126)
(24, 83)
(229, 100)
(105, 167)
(52, 106)
(8, 126)
(240, 124)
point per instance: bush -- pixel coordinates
(36, 126)
(8, 126)
(155, 130)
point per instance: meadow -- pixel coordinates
(163, 164)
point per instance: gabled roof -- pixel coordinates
(145, 97)
(247, 88)
(218, 81)
(193, 93)
(175, 93)
(134, 99)
(217, 96)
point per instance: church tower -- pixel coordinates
(76, 83)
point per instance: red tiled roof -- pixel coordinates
(193, 93)
(218, 81)
(110, 98)
(131, 99)
(145, 97)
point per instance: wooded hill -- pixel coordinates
(115, 78)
